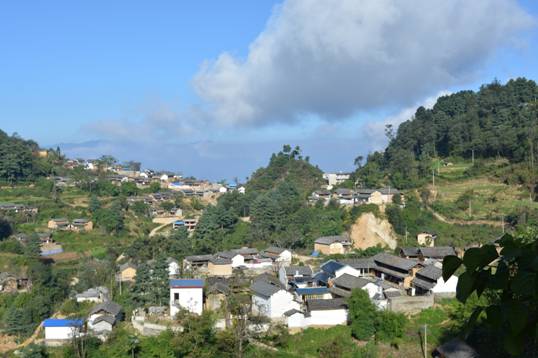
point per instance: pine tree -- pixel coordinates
(159, 280)
(142, 286)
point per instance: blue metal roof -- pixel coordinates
(331, 267)
(56, 322)
(315, 254)
(312, 291)
(179, 222)
(322, 277)
(187, 283)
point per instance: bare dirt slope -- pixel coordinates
(368, 231)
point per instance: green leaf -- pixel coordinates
(516, 314)
(499, 281)
(489, 254)
(522, 282)
(472, 320)
(472, 258)
(450, 264)
(513, 344)
(494, 316)
(482, 281)
(466, 284)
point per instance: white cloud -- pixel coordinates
(373, 133)
(333, 58)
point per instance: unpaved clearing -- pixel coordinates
(369, 231)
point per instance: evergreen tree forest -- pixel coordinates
(497, 121)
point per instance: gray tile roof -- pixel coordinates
(431, 272)
(350, 282)
(109, 307)
(198, 258)
(325, 305)
(394, 261)
(246, 251)
(409, 251)
(359, 263)
(298, 270)
(105, 318)
(437, 252)
(327, 240)
(220, 260)
(264, 288)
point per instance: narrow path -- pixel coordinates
(444, 219)
(28, 340)
(167, 221)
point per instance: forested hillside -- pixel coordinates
(287, 165)
(498, 121)
(276, 207)
(18, 160)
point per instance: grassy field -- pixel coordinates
(488, 198)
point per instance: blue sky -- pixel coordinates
(211, 88)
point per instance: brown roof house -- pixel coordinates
(330, 245)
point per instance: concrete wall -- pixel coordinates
(409, 304)
(55, 333)
(190, 299)
(219, 270)
(448, 287)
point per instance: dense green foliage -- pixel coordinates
(509, 279)
(287, 165)
(497, 121)
(17, 160)
(275, 202)
(26, 310)
(367, 321)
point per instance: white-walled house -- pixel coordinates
(271, 300)
(96, 294)
(344, 284)
(324, 313)
(290, 273)
(188, 294)
(281, 257)
(336, 269)
(319, 313)
(429, 280)
(236, 258)
(61, 329)
(103, 317)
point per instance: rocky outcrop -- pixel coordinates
(369, 231)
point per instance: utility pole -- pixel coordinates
(425, 340)
(502, 222)
(470, 210)
(472, 155)
(433, 177)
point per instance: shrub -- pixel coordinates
(390, 326)
(362, 314)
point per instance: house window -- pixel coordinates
(176, 296)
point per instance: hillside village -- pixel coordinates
(98, 257)
(279, 286)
